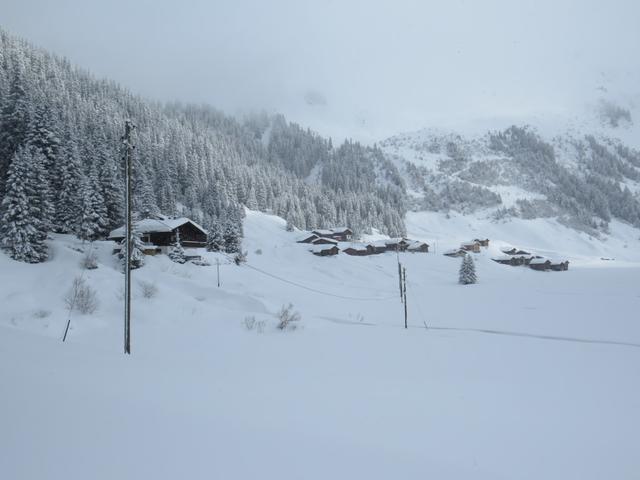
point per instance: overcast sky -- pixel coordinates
(350, 68)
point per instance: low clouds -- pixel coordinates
(351, 68)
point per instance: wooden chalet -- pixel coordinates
(325, 250)
(324, 241)
(396, 244)
(359, 250)
(471, 246)
(158, 234)
(482, 242)
(341, 234)
(418, 247)
(456, 252)
(514, 260)
(559, 266)
(540, 264)
(379, 246)
(308, 238)
(514, 251)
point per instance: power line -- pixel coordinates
(311, 289)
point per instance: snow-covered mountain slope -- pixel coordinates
(525, 375)
(583, 180)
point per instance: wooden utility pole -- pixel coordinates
(218, 267)
(128, 153)
(404, 294)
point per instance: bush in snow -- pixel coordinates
(249, 322)
(89, 260)
(149, 289)
(81, 297)
(176, 253)
(240, 258)
(287, 318)
(467, 274)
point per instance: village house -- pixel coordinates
(559, 265)
(418, 247)
(513, 251)
(396, 244)
(159, 234)
(324, 250)
(341, 234)
(324, 241)
(471, 246)
(456, 252)
(308, 238)
(359, 250)
(482, 242)
(540, 264)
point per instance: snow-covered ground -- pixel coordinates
(526, 375)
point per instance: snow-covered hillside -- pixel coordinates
(525, 375)
(585, 179)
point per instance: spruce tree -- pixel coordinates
(215, 237)
(23, 228)
(92, 223)
(176, 253)
(137, 254)
(68, 203)
(467, 274)
(231, 235)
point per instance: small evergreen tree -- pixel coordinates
(467, 274)
(231, 235)
(137, 255)
(176, 253)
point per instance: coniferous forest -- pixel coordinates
(61, 162)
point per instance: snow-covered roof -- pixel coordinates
(321, 248)
(507, 249)
(539, 261)
(306, 236)
(340, 230)
(323, 232)
(415, 245)
(325, 240)
(469, 244)
(455, 250)
(153, 225)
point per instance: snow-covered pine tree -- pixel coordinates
(68, 201)
(92, 223)
(176, 253)
(215, 237)
(14, 124)
(23, 229)
(231, 234)
(467, 274)
(137, 255)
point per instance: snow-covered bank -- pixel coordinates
(351, 394)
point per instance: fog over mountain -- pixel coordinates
(356, 69)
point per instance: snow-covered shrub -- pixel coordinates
(287, 318)
(81, 297)
(89, 260)
(258, 251)
(149, 289)
(249, 322)
(41, 313)
(240, 258)
(467, 274)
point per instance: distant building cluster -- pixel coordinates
(326, 243)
